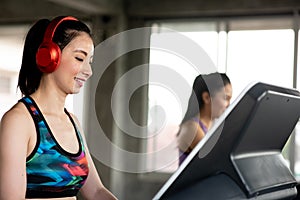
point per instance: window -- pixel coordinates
(260, 55)
(5, 84)
(11, 40)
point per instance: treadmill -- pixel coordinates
(241, 155)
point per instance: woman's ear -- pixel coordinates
(206, 97)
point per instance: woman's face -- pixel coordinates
(75, 66)
(221, 100)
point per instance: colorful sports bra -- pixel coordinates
(51, 171)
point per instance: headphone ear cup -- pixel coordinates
(48, 57)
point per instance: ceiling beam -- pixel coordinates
(192, 8)
(20, 11)
(96, 7)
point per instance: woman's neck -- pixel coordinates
(205, 117)
(49, 99)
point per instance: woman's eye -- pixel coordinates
(79, 59)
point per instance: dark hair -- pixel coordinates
(210, 83)
(30, 75)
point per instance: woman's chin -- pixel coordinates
(75, 91)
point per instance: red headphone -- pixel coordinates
(48, 54)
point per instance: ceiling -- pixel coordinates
(22, 11)
(29, 10)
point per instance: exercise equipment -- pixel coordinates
(241, 155)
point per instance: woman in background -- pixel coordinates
(210, 97)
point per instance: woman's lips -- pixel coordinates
(79, 81)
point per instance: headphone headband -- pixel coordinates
(51, 28)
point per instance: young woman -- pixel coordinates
(210, 97)
(42, 150)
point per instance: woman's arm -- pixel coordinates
(14, 139)
(93, 187)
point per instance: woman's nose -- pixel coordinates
(87, 70)
(227, 103)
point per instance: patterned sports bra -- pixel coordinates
(51, 171)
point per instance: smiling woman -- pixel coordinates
(39, 158)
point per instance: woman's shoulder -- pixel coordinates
(191, 126)
(16, 125)
(188, 127)
(191, 123)
(17, 113)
